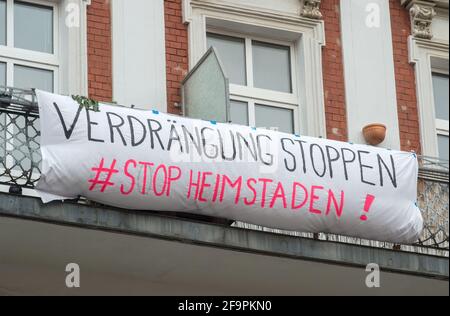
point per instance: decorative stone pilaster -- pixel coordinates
(422, 13)
(311, 9)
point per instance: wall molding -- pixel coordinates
(248, 10)
(369, 71)
(73, 50)
(147, 88)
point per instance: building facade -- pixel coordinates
(322, 68)
(339, 65)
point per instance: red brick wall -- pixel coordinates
(333, 73)
(405, 79)
(176, 52)
(99, 50)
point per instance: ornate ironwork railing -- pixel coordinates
(20, 160)
(20, 156)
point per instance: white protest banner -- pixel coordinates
(146, 160)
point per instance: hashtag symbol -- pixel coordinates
(99, 171)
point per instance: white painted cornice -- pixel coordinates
(418, 44)
(441, 4)
(310, 10)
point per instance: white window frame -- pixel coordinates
(69, 58)
(29, 58)
(442, 126)
(306, 36)
(422, 53)
(251, 107)
(12, 56)
(69, 47)
(252, 95)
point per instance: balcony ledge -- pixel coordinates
(151, 225)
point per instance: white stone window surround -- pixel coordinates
(441, 67)
(304, 34)
(69, 58)
(428, 56)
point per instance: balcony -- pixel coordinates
(20, 170)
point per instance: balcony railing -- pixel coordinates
(20, 161)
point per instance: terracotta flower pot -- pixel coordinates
(374, 134)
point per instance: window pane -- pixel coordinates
(231, 52)
(440, 87)
(239, 112)
(272, 67)
(2, 74)
(275, 118)
(28, 77)
(443, 147)
(2, 22)
(33, 27)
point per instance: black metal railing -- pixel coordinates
(20, 160)
(20, 156)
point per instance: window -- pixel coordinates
(28, 54)
(28, 59)
(272, 67)
(232, 55)
(258, 35)
(283, 119)
(443, 146)
(2, 22)
(27, 77)
(431, 65)
(262, 80)
(33, 27)
(441, 101)
(2, 74)
(239, 112)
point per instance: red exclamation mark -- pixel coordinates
(367, 205)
